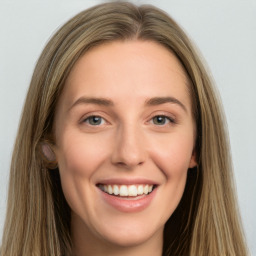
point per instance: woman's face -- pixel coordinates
(124, 127)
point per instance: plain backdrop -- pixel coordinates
(223, 30)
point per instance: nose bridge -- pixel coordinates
(129, 150)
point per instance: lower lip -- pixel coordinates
(129, 205)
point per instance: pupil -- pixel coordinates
(95, 120)
(159, 120)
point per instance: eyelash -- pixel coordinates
(168, 120)
(87, 119)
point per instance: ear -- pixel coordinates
(49, 155)
(48, 152)
(193, 161)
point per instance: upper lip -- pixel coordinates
(128, 181)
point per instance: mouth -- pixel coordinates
(127, 191)
(128, 197)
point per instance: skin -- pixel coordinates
(127, 142)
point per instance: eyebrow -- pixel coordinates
(162, 100)
(92, 100)
(107, 102)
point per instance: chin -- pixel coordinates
(131, 239)
(131, 233)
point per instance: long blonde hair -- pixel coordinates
(206, 222)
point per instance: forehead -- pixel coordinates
(127, 69)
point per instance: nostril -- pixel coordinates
(129, 165)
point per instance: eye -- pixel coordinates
(94, 120)
(161, 120)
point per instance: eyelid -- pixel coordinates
(87, 119)
(93, 114)
(169, 116)
(168, 121)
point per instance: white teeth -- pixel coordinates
(140, 190)
(110, 191)
(132, 190)
(124, 190)
(115, 190)
(146, 189)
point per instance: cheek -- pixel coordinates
(81, 155)
(173, 155)
(79, 158)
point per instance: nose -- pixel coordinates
(129, 148)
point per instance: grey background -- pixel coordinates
(223, 30)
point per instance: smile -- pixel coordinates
(127, 190)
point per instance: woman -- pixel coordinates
(122, 147)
